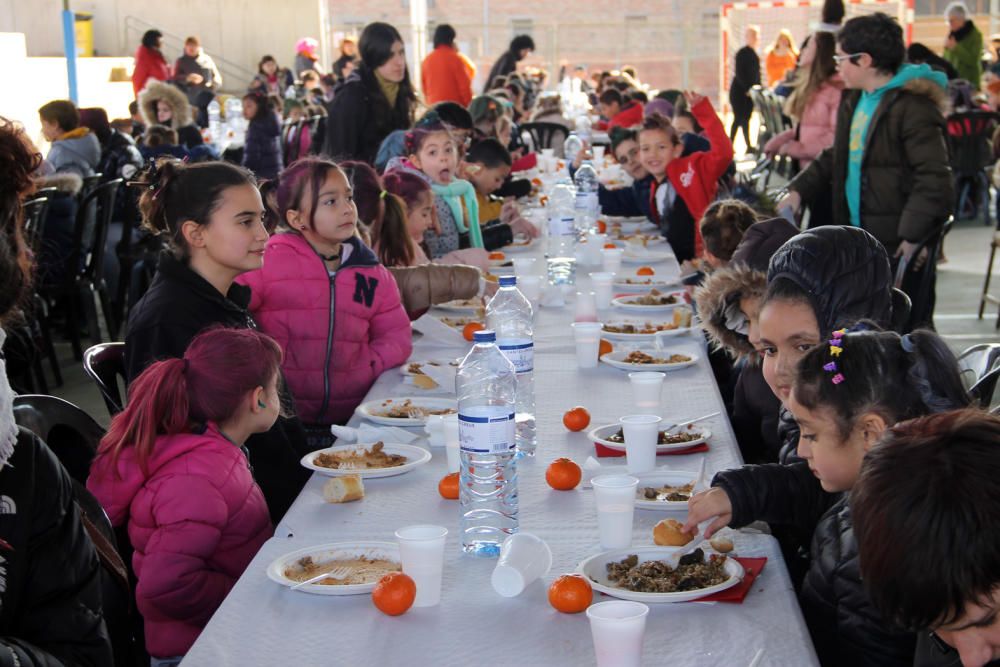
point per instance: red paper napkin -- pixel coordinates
(602, 450)
(752, 567)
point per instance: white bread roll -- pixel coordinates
(669, 533)
(343, 489)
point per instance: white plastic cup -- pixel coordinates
(549, 152)
(523, 267)
(588, 342)
(611, 259)
(598, 156)
(523, 558)
(617, 627)
(531, 287)
(646, 388)
(435, 430)
(603, 284)
(421, 550)
(640, 433)
(451, 442)
(615, 498)
(586, 307)
(595, 244)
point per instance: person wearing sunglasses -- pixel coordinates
(888, 166)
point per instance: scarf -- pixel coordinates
(454, 194)
(8, 428)
(389, 88)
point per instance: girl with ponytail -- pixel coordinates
(847, 392)
(173, 467)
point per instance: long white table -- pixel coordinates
(262, 623)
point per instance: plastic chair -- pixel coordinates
(105, 364)
(977, 361)
(70, 433)
(970, 153)
(984, 392)
(35, 215)
(918, 282)
(543, 135)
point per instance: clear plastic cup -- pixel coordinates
(587, 336)
(593, 248)
(603, 284)
(617, 627)
(646, 389)
(615, 498)
(451, 442)
(586, 307)
(421, 550)
(611, 259)
(640, 433)
(523, 558)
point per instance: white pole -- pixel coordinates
(994, 16)
(418, 25)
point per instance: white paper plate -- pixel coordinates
(617, 357)
(625, 303)
(405, 368)
(647, 257)
(656, 282)
(652, 241)
(658, 479)
(595, 569)
(369, 409)
(459, 322)
(415, 456)
(637, 337)
(460, 306)
(329, 552)
(600, 433)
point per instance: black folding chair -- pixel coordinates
(918, 282)
(105, 364)
(71, 433)
(544, 135)
(35, 216)
(984, 392)
(970, 154)
(976, 362)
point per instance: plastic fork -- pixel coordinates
(338, 572)
(691, 421)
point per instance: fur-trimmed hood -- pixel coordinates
(66, 182)
(932, 90)
(718, 302)
(172, 95)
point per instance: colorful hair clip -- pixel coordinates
(837, 379)
(830, 367)
(835, 351)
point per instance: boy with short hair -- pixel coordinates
(619, 111)
(487, 165)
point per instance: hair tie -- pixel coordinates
(836, 349)
(907, 344)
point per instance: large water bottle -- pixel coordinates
(236, 124)
(215, 122)
(509, 315)
(571, 147)
(587, 205)
(486, 384)
(560, 235)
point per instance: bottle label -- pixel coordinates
(486, 429)
(586, 201)
(520, 353)
(562, 226)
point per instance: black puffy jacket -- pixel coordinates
(844, 626)
(359, 118)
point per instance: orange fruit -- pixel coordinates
(497, 256)
(576, 419)
(394, 593)
(571, 593)
(448, 486)
(563, 474)
(610, 245)
(602, 227)
(471, 328)
(605, 348)
(645, 271)
(536, 181)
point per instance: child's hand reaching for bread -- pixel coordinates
(707, 504)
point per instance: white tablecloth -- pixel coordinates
(261, 623)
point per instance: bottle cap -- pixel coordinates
(484, 336)
(508, 281)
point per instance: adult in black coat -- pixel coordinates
(746, 75)
(518, 50)
(376, 99)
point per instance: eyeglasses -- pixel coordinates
(851, 57)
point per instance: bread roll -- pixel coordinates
(343, 489)
(670, 533)
(721, 544)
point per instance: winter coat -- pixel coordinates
(195, 518)
(746, 75)
(423, 286)
(276, 86)
(815, 130)
(120, 157)
(303, 62)
(845, 628)
(149, 64)
(50, 587)
(188, 133)
(179, 305)
(967, 54)
(359, 118)
(338, 332)
(77, 151)
(628, 201)
(262, 148)
(777, 66)
(446, 76)
(203, 65)
(505, 64)
(906, 183)
(629, 116)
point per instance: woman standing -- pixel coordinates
(149, 61)
(374, 100)
(781, 57)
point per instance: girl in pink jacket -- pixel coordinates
(324, 296)
(173, 467)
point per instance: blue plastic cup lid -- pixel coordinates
(484, 336)
(508, 281)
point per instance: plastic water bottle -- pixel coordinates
(560, 240)
(583, 128)
(486, 384)
(509, 315)
(587, 206)
(214, 121)
(571, 147)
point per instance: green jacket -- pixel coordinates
(967, 54)
(906, 183)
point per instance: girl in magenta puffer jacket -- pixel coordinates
(322, 294)
(173, 467)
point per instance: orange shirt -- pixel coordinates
(446, 76)
(777, 66)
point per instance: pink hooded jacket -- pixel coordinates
(816, 127)
(336, 341)
(196, 520)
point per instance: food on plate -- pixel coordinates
(474, 302)
(497, 256)
(424, 382)
(637, 239)
(394, 594)
(682, 317)
(361, 570)
(669, 493)
(640, 357)
(663, 438)
(721, 544)
(655, 576)
(636, 281)
(654, 298)
(416, 367)
(576, 419)
(670, 533)
(602, 227)
(343, 489)
(458, 322)
(359, 459)
(563, 474)
(469, 328)
(644, 328)
(645, 271)
(605, 347)
(610, 245)
(571, 593)
(448, 486)
(407, 410)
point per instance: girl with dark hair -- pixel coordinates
(165, 104)
(374, 100)
(846, 394)
(212, 217)
(270, 78)
(262, 148)
(174, 469)
(149, 61)
(324, 294)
